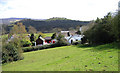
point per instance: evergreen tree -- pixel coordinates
(32, 37)
(53, 36)
(68, 33)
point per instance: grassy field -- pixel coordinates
(68, 58)
(48, 34)
(45, 34)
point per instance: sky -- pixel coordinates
(43, 9)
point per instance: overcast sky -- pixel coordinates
(44, 9)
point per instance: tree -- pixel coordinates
(32, 37)
(61, 41)
(41, 35)
(98, 20)
(71, 29)
(19, 28)
(102, 31)
(4, 29)
(78, 32)
(68, 33)
(116, 25)
(53, 36)
(77, 27)
(31, 29)
(60, 37)
(14, 30)
(12, 51)
(56, 30)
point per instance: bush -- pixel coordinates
(28, 49)
(76, 43)
(61, 41)
(25, 43)
(11, 51)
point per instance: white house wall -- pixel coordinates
(74, 38)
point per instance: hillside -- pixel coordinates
(8, 21)
(53, 23)
(68, 58)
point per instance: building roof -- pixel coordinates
(64, 31)
(42, 38)
(47, 38)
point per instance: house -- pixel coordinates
(74, 38)
(65, 33)
(48, 39)
(53, 41)
(40, 41)
(45, 41)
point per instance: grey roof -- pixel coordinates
(47, 38)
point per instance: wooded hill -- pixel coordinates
(52, 24)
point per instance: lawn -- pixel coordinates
(68, 58)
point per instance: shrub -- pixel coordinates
(25, 43)
(61, 41)
(76, 43)
(11, 51)
(28, 49)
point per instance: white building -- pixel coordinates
(73, 38)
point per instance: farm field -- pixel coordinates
(68, 58)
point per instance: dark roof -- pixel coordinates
(47, 38)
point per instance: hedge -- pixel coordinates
(34, 48)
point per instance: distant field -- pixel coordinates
(48, 34)
(45, 34)
(68, 58)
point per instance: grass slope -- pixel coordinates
(68, 58)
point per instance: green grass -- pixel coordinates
(45, 34)
(68, 58)
(48, 34)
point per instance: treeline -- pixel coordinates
(53, 24)
(104, 30)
